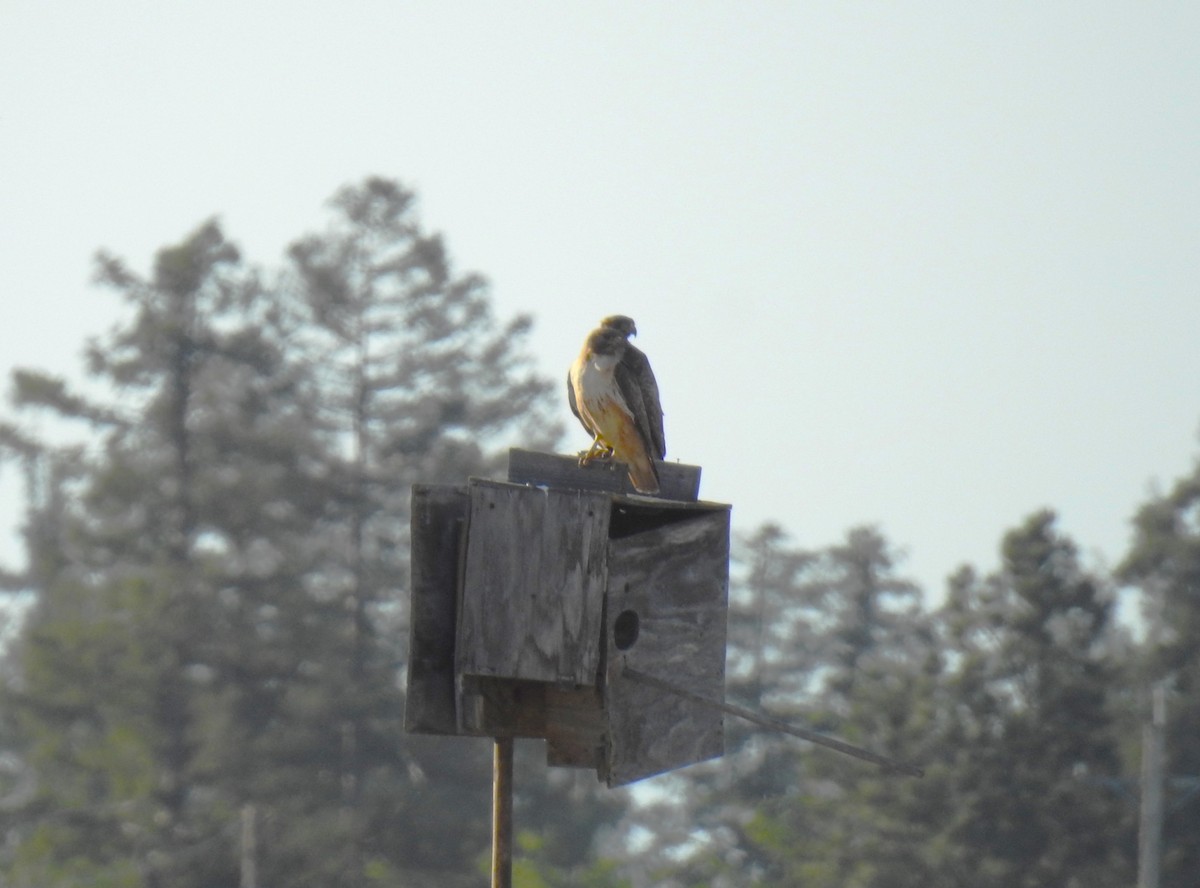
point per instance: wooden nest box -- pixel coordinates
(532, 598)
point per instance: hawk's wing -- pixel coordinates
(639, 388)
(571, 397)
(575, 406)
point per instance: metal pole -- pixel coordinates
(1153, 767)
(502, 799)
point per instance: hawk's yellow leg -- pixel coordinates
(598, 449)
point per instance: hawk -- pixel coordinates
(612, 390)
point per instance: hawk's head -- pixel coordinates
(607, 341)
(621, 323)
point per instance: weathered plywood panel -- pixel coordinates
(533, 590)
(501, 707)
(575, 727)
(439, 513)
(671, 583)
(570, 719)
(676, 481)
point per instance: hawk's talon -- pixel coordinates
(598, 450)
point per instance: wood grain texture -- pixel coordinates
(575, 727)
(518, 598)
(677, 481)
(533, 590)
(570, 719)
(439, 513)
(675, 579)
(502, 707)
(502, 813)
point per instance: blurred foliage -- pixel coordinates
(218, 627)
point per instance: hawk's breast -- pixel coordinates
(597, 384)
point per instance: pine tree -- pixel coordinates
(409, 379)
(849, 823)
(1164, 564)
(1032, 738)
(220, 573)
(113, 656)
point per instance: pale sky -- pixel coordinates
(930, 266)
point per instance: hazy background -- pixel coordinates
(929, 265)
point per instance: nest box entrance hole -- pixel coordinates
(625, 629)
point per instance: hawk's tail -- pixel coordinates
(642, 474)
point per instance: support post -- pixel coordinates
(249, 865)
(502, 801)
(1153, 768)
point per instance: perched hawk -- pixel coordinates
(612, 390)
